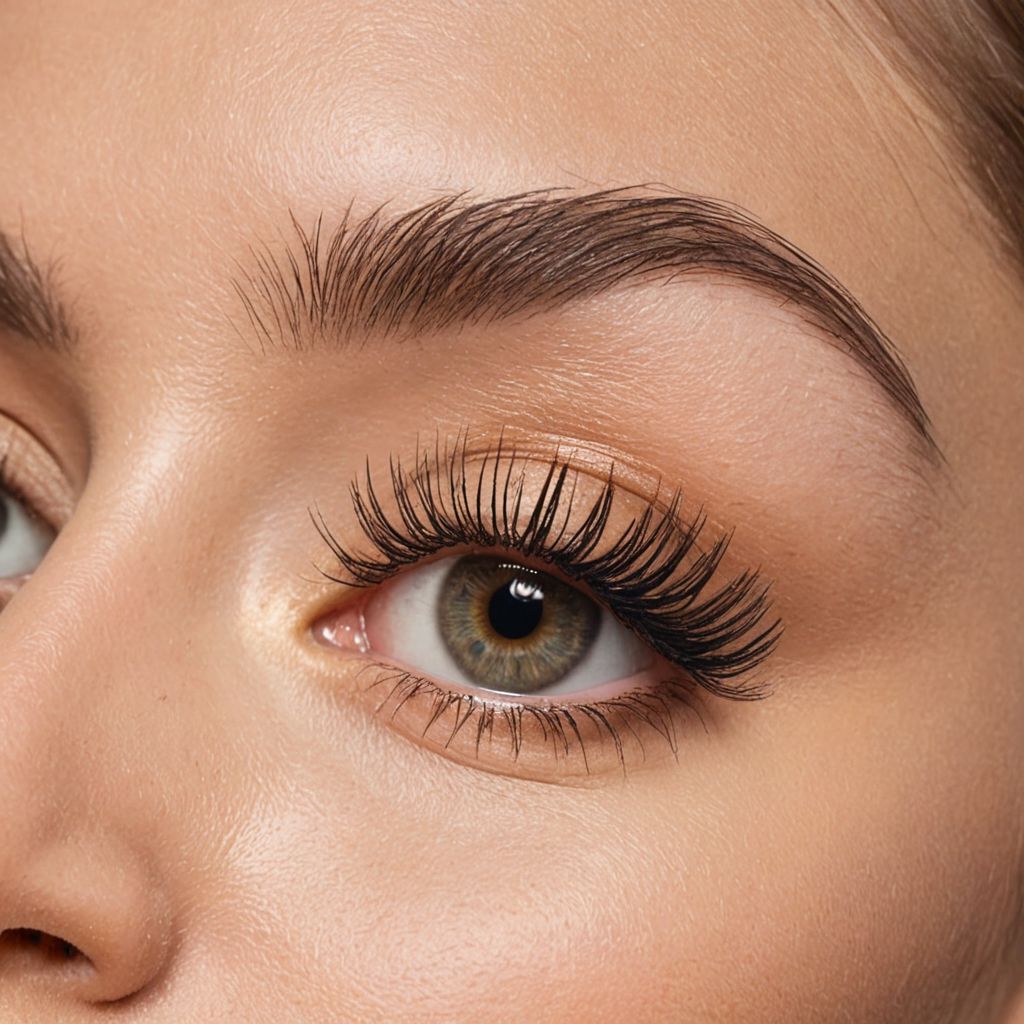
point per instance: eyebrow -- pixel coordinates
(29, 303)
(454, 262)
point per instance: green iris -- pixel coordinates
(514, 629)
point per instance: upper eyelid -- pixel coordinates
(34, 473)
(425, 473)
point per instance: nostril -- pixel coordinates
(42, 945)
(83, 918)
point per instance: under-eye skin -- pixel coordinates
(488, 581)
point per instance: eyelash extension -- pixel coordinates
(641, 576)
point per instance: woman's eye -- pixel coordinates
(24, 539)
(487, 622)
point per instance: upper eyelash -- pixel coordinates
(640, 576)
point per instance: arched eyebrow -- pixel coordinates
(453, 262)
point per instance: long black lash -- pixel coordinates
(715, 638)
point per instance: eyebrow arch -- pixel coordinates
(453, 262)
(29, 304)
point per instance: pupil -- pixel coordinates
(515, 609)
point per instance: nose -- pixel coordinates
(84, 917)
(80, 917)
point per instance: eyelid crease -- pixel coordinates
(652, 574)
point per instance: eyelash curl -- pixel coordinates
(653, 575)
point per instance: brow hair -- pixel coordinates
(453, 261)
(29, 306)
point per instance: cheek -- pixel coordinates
(833, 869)
(849, 859)
(834, 852)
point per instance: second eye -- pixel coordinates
(24, 539)
(489, 622)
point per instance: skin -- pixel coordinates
(198, 795)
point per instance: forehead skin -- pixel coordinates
(829, 855)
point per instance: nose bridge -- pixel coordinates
(78, 868)
(64, 672)
(43, 707)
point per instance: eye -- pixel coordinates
(24, 538)
(491, 623)
(493, 657)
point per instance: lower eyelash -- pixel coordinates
(568, 727)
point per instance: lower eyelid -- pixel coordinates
(8, 588)
(556, 742)
(579, 738)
